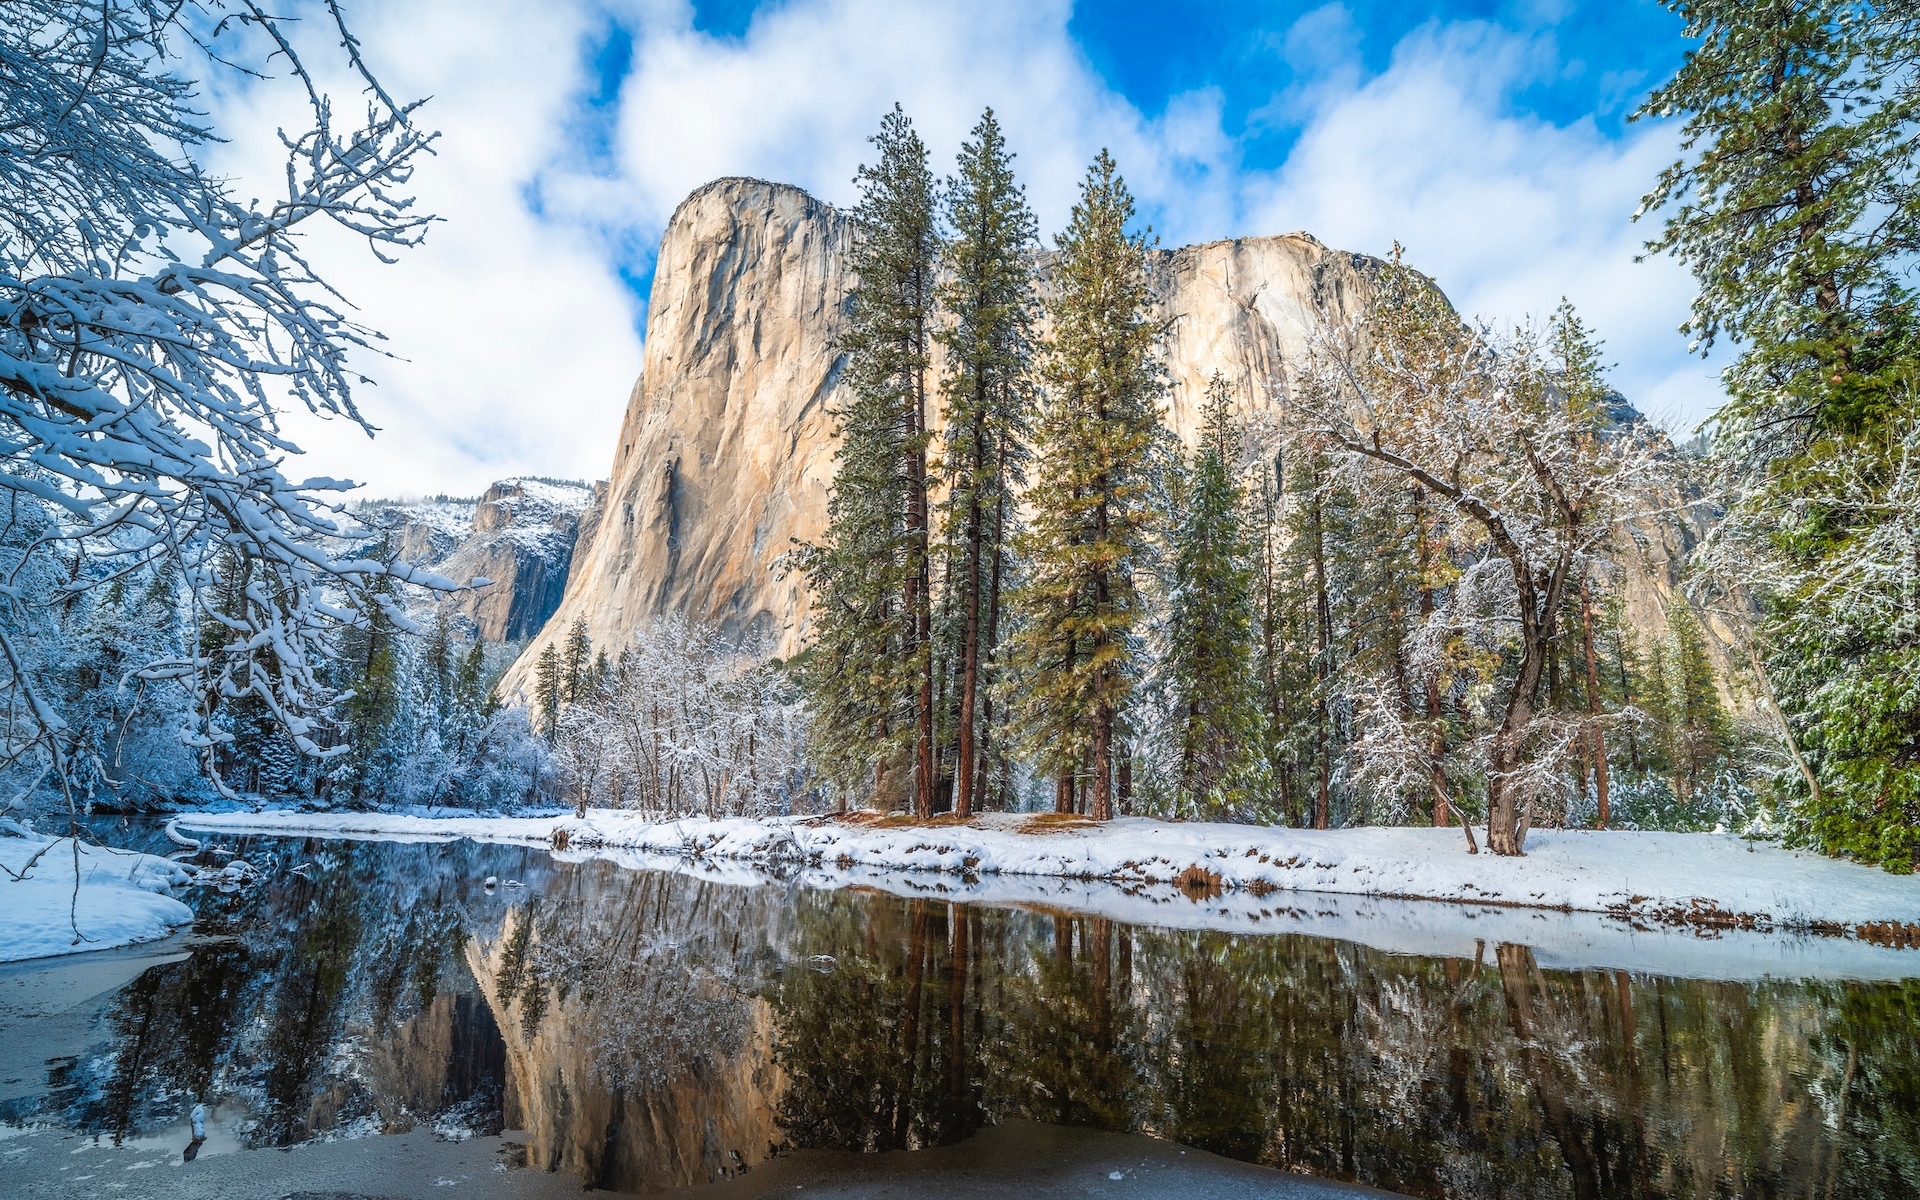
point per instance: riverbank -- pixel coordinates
(1705, 881)
(75, 897)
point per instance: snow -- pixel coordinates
(124, 897)
(1677, 903)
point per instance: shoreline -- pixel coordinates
(1711, 884)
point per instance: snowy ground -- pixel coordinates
(1641, 879)
(123, 897)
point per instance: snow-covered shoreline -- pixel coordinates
(123, 897)
(1702, 880)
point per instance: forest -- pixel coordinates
(1397, 585)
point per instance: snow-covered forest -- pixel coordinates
(1405, 582)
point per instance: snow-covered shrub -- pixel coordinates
(684, 721)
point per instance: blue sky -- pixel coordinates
(1491, 139)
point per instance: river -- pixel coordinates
(642, 1030)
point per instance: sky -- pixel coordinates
(1492, 140)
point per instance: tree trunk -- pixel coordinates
(1100, 803)
(1322, 664)
(1593, 703)
(919, 601)
(1436, 768)
(963, 780)
(992, 647)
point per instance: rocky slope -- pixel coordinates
(727, 449)
(520, 535)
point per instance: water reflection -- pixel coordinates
(652, 1029)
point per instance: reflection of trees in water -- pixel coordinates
(652, 970)
(311, 979)
(1429, 1076)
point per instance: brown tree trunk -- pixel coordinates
(919, 599)
(1063, 791)
(1100, 800)
(963, 779)
(1322, 663)
(1593, 702)
(992, 647)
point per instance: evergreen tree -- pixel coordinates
(1698, 731)
(987, 394)
(576, 663)
(1797, 207)
(1210, 634)
(369, 656)
(868, 673)
(1095, 441)
(549, 688)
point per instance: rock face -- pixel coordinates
(520, 535)
(727, 449)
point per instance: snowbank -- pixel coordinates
(1642, 878)
(123, 898)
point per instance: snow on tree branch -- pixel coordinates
(152, 320)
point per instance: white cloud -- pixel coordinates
(519, 332)
(516, 333)
(1507, 211)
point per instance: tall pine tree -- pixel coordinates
(1095, 441)
(1210, 629)
(868, 672)
(987, 392)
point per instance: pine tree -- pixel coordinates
(987, 395)
(370, 657)
(1095, 440)
(549, 688)
(1698, 732)
(576, 663)
(1210, 630)
(868, 671)
(1796, 207)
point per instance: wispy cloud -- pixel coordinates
(574, 128)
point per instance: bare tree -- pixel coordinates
(153, 323)
(1487, 425)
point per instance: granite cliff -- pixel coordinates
(520, 535)
(727, 449)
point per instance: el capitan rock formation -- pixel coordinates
(727, 450)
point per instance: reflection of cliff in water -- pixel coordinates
(638, 1049)
(653, 1029)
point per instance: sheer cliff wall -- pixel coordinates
(727, 449)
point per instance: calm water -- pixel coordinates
(650, 1029)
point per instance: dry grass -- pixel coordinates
(1055, 823)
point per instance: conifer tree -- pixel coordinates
(1095, 440)
(576, 663)
(549, 688)
(1796, 204)
(1698, 731)
(987, 393)
(1210, 634)
(370, 657)
(868, 673)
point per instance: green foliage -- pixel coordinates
(1210, 647)
(987, 393)
(1096, 440)
(1798, 209)
(868, 650)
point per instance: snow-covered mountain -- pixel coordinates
(520, 535)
